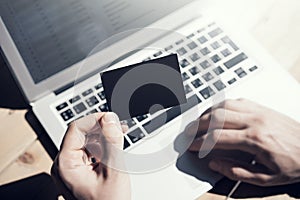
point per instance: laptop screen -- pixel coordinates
(52, 35)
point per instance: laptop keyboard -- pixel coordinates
(204, 57)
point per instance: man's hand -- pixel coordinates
(80, 170)
(272, 138)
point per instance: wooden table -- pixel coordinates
(22, 154)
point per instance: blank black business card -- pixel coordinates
(144, 87)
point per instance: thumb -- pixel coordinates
(112, 130)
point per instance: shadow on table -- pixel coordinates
(41, 134)
(35, 187)
(11, 96)
(245, 190)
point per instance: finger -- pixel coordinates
(74, 138)
(112, 130)
(238, 105)
(218, 119)
(192, 128)
(225, 139)
(242, 171)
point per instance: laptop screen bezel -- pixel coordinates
(33, 91)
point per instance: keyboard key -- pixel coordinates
(233, 45)
(211, 24)
(157, 54)
(215, 32)
(192, 45)
(130, 122)
(205, 51)
(87, 92)
(91, 112)
(179, 41)
(126, 144)
(226, 52)
(253, 68)
(202, 40)
(194, 70)
(194, 57)
(191, 102)
(168, 48)
(181, 51)
(187, 89)
(197, 83)
(185, 76)
(207, 92)
(101, 95)
(92, 101)
(216, 58)
(200, 30)
(162, 119)
(219, 85)
(74, 99)
(183, 63)
(240, 72)
(98, 86)
(104, 108)
(207, 77)
(190, 36)
(236, 60)
(141, 117)
(205, 64)
(61, 106)
(227, 40)
(231, 81)
(170, 114)
(135, 135)
(79, 108)
(215, 45)
(67, 115)
(218, 70)
(147, 59)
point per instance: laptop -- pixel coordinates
(57, 49)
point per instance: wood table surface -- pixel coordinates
(25, 150)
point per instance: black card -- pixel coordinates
(144, 87)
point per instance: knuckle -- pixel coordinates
(253, 134)
(218, 115)
(257, 120)
(227, 103)
(215, 135)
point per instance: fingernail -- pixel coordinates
(123, 122)
(214, 165)
(110, 117)
(190, 129)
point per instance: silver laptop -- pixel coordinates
(57, 49)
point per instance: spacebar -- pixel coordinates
(171, 114)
